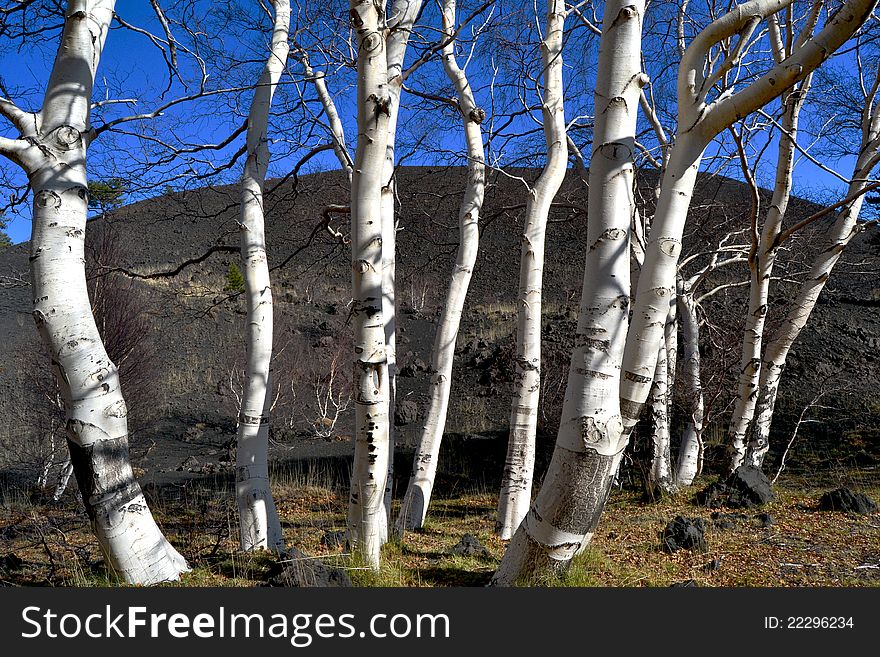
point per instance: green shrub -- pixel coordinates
(234, 279)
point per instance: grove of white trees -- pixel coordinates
(528, 91)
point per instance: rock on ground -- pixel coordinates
(10, 562)
(470, 546)
(713, 565)
(297, 569)
(684, 534)
(765, 520)
(843, 499)
(745, 488)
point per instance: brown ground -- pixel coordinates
(803, 546)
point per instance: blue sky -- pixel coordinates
(133, 67)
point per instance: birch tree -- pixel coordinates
(260, 526)
(318, 80)
(701, 119)
(764, 248)
(660, 476)
(414, 505)
(568, 507)
(843, 229)
(586, 454)
(690, 452)
(367, 519)
(401, 23)
(516, 482)
(689, 299)
(51, 148)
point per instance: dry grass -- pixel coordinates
(803, 547)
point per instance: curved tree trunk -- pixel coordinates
(414, 506)
(700, 121)
(566, 510)
(52, 151)
(367, 519)
(334, 123)
(761, 268)
(260, 528)
(844, 228)
(840, 234)
(690, 454)
(516, 482)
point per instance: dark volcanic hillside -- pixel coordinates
(195, 334)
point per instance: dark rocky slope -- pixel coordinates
(195, 325)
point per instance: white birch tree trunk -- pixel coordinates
(389, 292)
(671, 343)
(566, 510)
(52, 151)
(660, 475)
(568, 507)
(761, 268)
(367, 519)
(403, 18)
(516, 482)
(657, 278)
(260, 528)
(690, 454)
(414, 506)
(660, 403)
(840, 234)
(63, 480)
(334, 123)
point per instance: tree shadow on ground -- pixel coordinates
(454, 576)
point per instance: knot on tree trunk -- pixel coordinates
(67, 138)
(47, 199)
(477, 115)
(372, 42)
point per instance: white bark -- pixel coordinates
(657, 278)
(52, 151)
(699, 122)
(840, 234)
(570, 503)
(690, 454)
(367, 519)
(402, 19)
(63, 480)
(660, 475)
(414, 506)
(516, 482)
(260, 527)
(671, 343)
(334, 123)
(761, 262)
(566, 511)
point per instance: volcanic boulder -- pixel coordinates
(745, 488)
(843, 499)
(684, 534)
